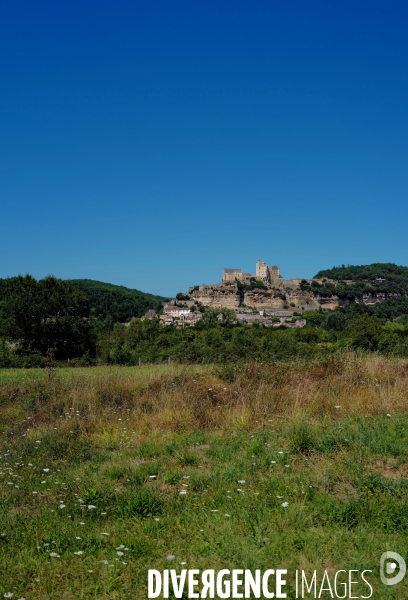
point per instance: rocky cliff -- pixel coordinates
(228, 295)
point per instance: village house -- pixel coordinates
(166, 319)
(189, 320)
(181, 320)
(150, 315)
(175, 311)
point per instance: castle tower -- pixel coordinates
(262, 270)
(274, 273)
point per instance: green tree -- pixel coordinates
(46, 314)
(365, 331)
(217, 316)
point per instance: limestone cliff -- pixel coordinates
(228, 295)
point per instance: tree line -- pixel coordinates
(52, 317)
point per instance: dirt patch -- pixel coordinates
(391, 469)
(344, 490)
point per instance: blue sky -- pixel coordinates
(151, 144)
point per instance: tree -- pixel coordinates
(315, 317)
(365, 331)
(181, 296)
(46, 314)
(216, 316)
(337, 320)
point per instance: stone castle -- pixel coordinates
(269, 275)
(238, 290)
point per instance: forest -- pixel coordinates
(116, 303)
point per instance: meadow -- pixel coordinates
(107, 472)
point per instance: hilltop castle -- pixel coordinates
(269, 275)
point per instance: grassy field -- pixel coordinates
(107, 472)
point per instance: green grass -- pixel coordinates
(343, 475)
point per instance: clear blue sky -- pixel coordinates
(151, 144)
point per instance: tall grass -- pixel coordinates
(327, 437)
(219, 398)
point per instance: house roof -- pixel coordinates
(232, 271)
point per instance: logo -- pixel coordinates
(391, 563)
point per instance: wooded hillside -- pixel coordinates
(117, 302)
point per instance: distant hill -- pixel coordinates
(116, 301)
(366, 272)
(354, 280)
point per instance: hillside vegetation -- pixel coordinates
(354, 281)
(106, 473)
(116, 302)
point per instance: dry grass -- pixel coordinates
(185, 399)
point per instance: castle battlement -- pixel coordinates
(269, 275)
